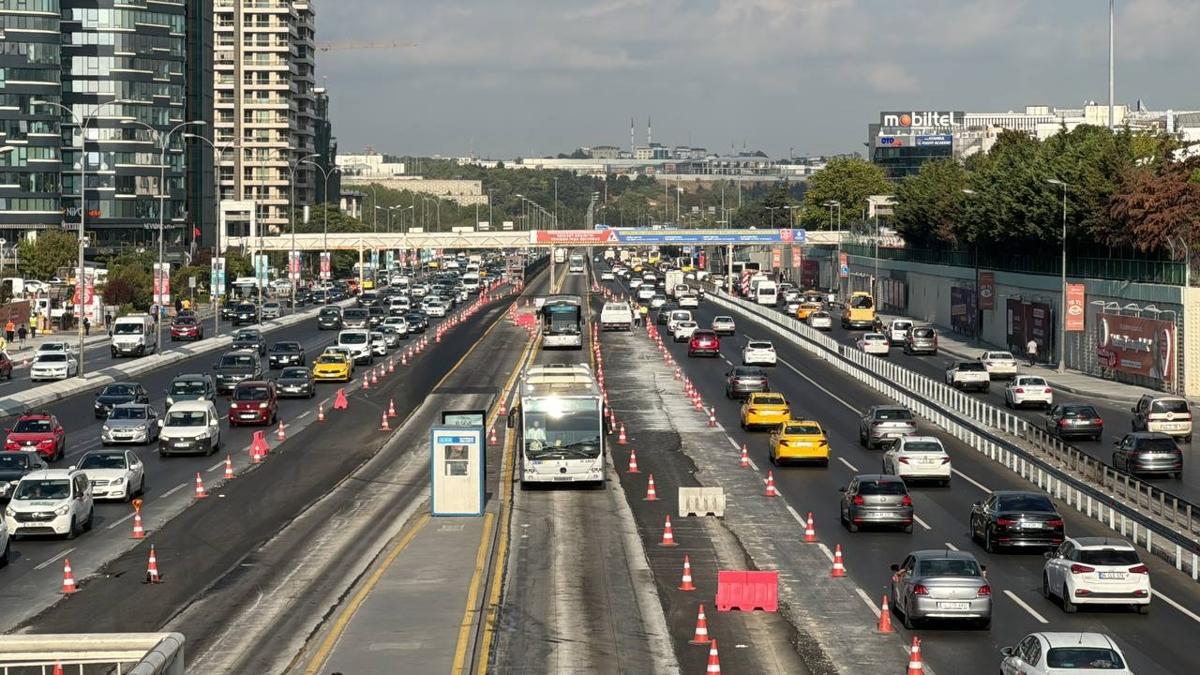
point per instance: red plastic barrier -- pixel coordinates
(747, 591)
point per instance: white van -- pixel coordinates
(678, 316)
(358, 342)
(65, 495)
(133, 335)
(765, 292)
(470, 282)
(190, 428)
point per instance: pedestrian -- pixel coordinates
(87, 326)
(22, 332)
(10, 330)
(154, 312)
(637, 319)
(645, 312)
(108, 322)
(33, 327)
(1031, 350)
(178, 305)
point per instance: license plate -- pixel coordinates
(248, 416)
(182, 445)
(1033, 525)
(562, 478)
(1112, 575)
(954, 605)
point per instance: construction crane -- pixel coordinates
(338, 46)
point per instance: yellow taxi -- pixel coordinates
(808, 307)
(764, 409)
(333, 367)
(799, 441)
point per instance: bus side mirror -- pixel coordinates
(512, 418)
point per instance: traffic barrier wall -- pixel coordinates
(1162, 523)
(747, 591)
(701, 501)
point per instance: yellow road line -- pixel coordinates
(344, 618)
(464, 629)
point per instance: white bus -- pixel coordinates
(562, 321)
(560, 256)
(560, 424)
(576, 266)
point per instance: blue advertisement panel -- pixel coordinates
(941, 140)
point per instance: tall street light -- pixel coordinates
(292, 217)
(1062, 308)
(837, 266)
(82, 122)
(326, 174)
(220, 152)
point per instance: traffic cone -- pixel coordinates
(633, 467)
(152, 575)
(701, 635)
(714, 660)
(885, 617)
(668, 537)
(404, 359)
(200, 493)
(320, 412)
(686, 584)
(915, 665)
(391, 366)
(229, 467)
(621, 436)
(492, 440)
(771, 491)
(839, 569)
(139, 532)
(57, 669)
(339, 401)
(374, 377)
(384, 423)
(651, 495)
(68, 586)
(280, 434)
(745, 461)
(712, 417)
(366, 386)
(810, 533)
(391, 408)
(678, 374)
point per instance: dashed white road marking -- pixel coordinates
(920, 522)
(60, 555)
(970, 480)
(848, 464)
(1184, 610)
(304, 414)
(114, 525)
(950, 546)
(1025, 606)
(825, 550)
(216, 466)
(867, 599)
(173, 490)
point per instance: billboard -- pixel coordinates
(699, 237)
(576, 237)
(987, 290)
(962, 310)
(797, 257)
(843, 265)
(162, 284)
(1076, 308)
(1137, 346)
(938, 141)
(921, 119)
(776, 258)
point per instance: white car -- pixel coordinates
(606, 276)
(898, 330)
(690, 300)
(1062, 653)
(875, 343)
(723, 325)
(759, 353)
(820, 320)
(683, 330)
(918, 458)
(645, 292)
(114, 474)
(55, 347)
(635, 282)
(675, 317)
(435, 309)
(999, 364)
(63, 494)
(1096, 571)
(52, 366)
(1028, 390)
(378, 344)
(657, 301)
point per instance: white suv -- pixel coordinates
(52, 501)
(1094, 571)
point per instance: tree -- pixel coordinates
(848, 181)
(1157, 208)
(930, 204)
(42, 257)
(128, 285)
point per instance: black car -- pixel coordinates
(14, 465)
(116, 394)
(228, 311)
(245, 313)
(366, 299)
(417, 322)
(1074, 420)
(235, 367)
(664, 313)
(1016, 518)
(329, 318)
(285, 354)
(191, 387)
(250, 339)
(375, 315)
(745, 380)
(1148, 452)
(295, 382)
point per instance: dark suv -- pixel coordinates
(329, 318)
(245, 313)
(745, 380)
(235, 367)
(1148, 452)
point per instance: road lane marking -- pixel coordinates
(57, 557)
(848, 464)
(950, 546)
(216, 466)
(304, 414)
(867, 599)
(1187, 612)
(970, 480)
(1025, 606)
(921, 522)
(173, 490)
(825, 550)
(796, 515)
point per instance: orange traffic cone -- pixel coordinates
(139, 532)
(771, 491)
(280, 434)
(633, 467)
(391, 408)
(384, 424)
(686, 584)
(57, 669)
(745, 461)
(366, 386)
(492, 440)
(200, 493)
(374, 377)
(68, 586)
(152, 575)
(339, 401)
(404, 359)
(701, 635)
(668, 538)
(885, 617)
(839, 569)
(651, 495)
(391, 365)
(229, 467)
(915, 665)
(714, 660)
(320, 412)
(712, 417)
(621, 436)
(810, 533)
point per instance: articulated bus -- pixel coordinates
(562, 321)
(560, 424)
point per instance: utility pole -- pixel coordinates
(1112, 28)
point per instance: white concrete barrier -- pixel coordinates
(695, 501)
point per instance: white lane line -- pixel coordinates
(950, 546)
(304, 414)
(173, 490)
(848, 464)
(1025, 606)
(1187, 612)
(867, 599)
(921, 522)
(51, 561)
(726, 360)
(796, 515)
(216, 466)
(734, 443)
(826, 551)
(752, 464)
(970, 480)
(114, 525)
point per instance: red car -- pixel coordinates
(39, 432)
(186, 328)
(253, 402)
(704, 341)
(6, 366)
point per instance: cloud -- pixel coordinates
(885, 78)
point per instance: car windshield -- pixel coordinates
(294, 374)
(1030, 382)
(187, 387)
(874, 337)
(52, 347)
(747, 372)
(566, 428)
(1081, 411)
(185, 418)
(1109, 556)
(1095, 658)
(681, 316)
(117, 390)
(237, 361)
(970, 366)
(104, 460)
(330, 312)
(34, 426)
(128, 413)
(246, 309)
(352, 338)
(250, 335)
(923, 332)
(285, 347)
(1025, 503)
(127, 328)
(185, 321)
(52, 358)
(901, 325)
(723, 320)
(861, 302)
(923, 446)
(1170, 405)
(252, 394)
(760, 345)
(948, 567)
(331, 358)
(803, 430)
(820, 315)
(998, 356)
(14, 460)
(881, 487)
(769, 399)
(29, 490)
(893, 414)
(1166, 445)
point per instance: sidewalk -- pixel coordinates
(18, 348)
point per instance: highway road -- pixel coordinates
(1155, 644)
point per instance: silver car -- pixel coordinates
(130, 423)
(271, 310)
(876, 499)
(941, 584)
(883, 424)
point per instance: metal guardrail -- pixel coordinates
(1134, 508)
(93, 654)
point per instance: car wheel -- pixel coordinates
(1068, 606)
(908, 529)
(8, 545)
(73, 531)
(1141, 609)
(989, 541)
(1095, 437)
(91, 519)
(906, 619)
(851, 526)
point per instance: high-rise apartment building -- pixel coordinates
(264, 102)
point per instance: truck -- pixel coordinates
(674, 278)
(616, 316)
(968, 375)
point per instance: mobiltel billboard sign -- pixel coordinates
(921, 119)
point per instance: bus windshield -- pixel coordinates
(562, 428)
(562, 318)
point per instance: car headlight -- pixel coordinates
(10, 512)
(63, 510)
(119, 481)
(140, 428)
(262, 406)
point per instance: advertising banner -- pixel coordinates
(700, 260)
(262, 267)
(843, 265)
(610, 236)
(1137, 346)
(389, 258)
(89, 287)
(294, 265)
(941, 140)
(987, 290)
(1076, 307)
(1041, 325)
(577, 237)
(162, 284)
(776, 258)
(1015, 322)
(325, 265)
(962, 310)
(797, 257)
(810, 273)
(216, 279)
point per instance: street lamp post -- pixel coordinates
(1062, 320)
(215, 292)
(837, 266)
(292, 217)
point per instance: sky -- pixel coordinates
(520, 78)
